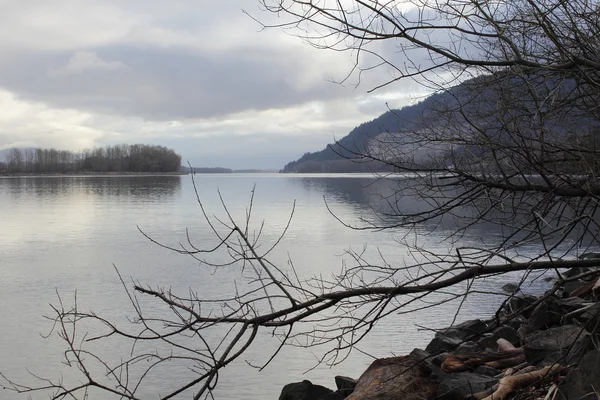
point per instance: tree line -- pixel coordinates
(117, 158)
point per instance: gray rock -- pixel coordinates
(544, 315)
(345, 385)
(334, 396)
(468, 348)
(510, 287)
(420, 354)
(562, 344)
(462, 385)
(588, 255)
(467, 329)
(451, 338)
(583, 382)
(570, 304)
(488, 341)
(591, 315)
(443, 343)
(518, 303)
(486, 371)
(515, 322)
(304, 390)
(439, 359)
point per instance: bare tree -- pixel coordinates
(515, 146)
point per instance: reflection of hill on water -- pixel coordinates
(134, 187)
(381, 200)
(365, 193)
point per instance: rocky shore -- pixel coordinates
(534, 347)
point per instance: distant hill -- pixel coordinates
(478, 98)
(337, 157)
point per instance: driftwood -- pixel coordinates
(505, 345)
(500, 360)
(510, 384)
(596, 288)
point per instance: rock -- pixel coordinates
(583, 290)
(510, 288)
(570, 304)
(462, 385)
(562, 344)
(345, 385)
(305, 390)
(467, 329)
(451, 338)
(583, 382)
(439, 359)
(517, 303)
(443, 343)
(396, 378)
(468, 348)
(544, 315)
(333, 396)
(488, 341)
(515, 322)
(591, 315)
(486, 371)
(588, 255)
(420, 354)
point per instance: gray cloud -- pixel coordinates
(196, 76)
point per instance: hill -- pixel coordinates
(490, 102)
(341, 156)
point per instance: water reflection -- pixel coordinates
(154, 188)
(380, 201)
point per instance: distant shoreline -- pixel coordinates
(130, 173)
(90, 173)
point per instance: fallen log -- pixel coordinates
(499, 360)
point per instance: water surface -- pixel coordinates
(67, 234)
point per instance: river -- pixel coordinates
(67, 234)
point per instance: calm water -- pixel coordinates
(64, 234)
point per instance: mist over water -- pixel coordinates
(67, 235)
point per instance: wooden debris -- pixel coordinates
(498, 360)
(505, 345)
(510, 384)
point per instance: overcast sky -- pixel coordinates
(198, 76)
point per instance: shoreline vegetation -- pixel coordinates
(124, 158)
(88, 173)
(182, 171)
(136, 159)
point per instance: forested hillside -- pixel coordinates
(341, 156)
(118, 158)
(478, 98)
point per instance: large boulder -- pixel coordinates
(305, 390)
(396, 378)
(583, 382)
(563, 345)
